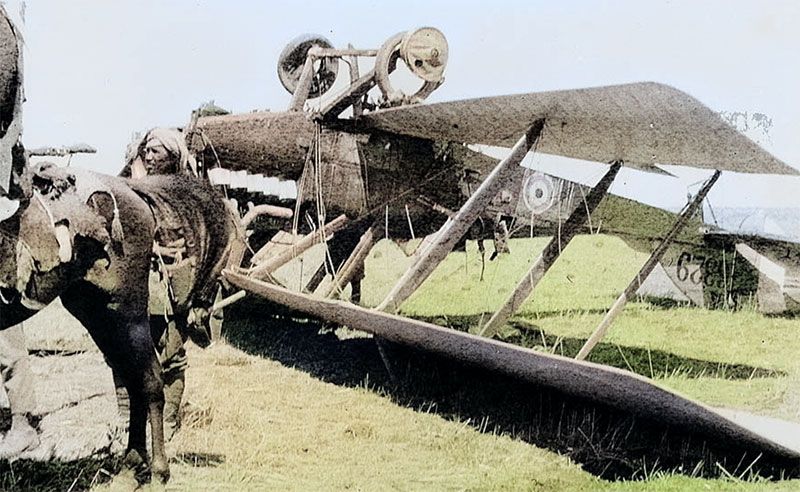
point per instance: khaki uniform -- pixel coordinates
(16, 372)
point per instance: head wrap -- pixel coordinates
(175, 143)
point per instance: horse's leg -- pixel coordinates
(141, 374)
(136, 452)
(126, 341)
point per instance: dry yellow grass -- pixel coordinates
(276, 428)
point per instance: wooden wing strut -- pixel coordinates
(647, 268)
(456, 227)
(550, 253)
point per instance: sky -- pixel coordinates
(97, 71)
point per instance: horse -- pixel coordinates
(89, 239)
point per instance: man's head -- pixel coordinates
(157, 158)
(163, 151)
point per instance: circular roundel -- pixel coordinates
(538, 193)
(293, 58)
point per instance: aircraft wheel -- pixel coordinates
(293, 58)
(409, 46)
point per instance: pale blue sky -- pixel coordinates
(97, 71)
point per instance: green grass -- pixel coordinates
(753, 358)
(572, 299)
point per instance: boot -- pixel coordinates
(173, 395)
(20, 438)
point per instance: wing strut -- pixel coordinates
(455, 228)
(647, 268)
(353, 264)
(551, 252)
(285, 256)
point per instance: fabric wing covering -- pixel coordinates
(643, 124)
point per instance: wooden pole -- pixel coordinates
(300, 247)
(455, 228)
(352, 264)
(358, 110)
(222, 304)
(303, 85)
(351, 96)
(550, 253)
(647, 268)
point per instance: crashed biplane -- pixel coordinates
(395, 167)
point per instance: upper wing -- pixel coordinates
(643, 124)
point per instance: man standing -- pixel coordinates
(15, 372)
(164, 151)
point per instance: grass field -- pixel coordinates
(298, 410)
(716, 356)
